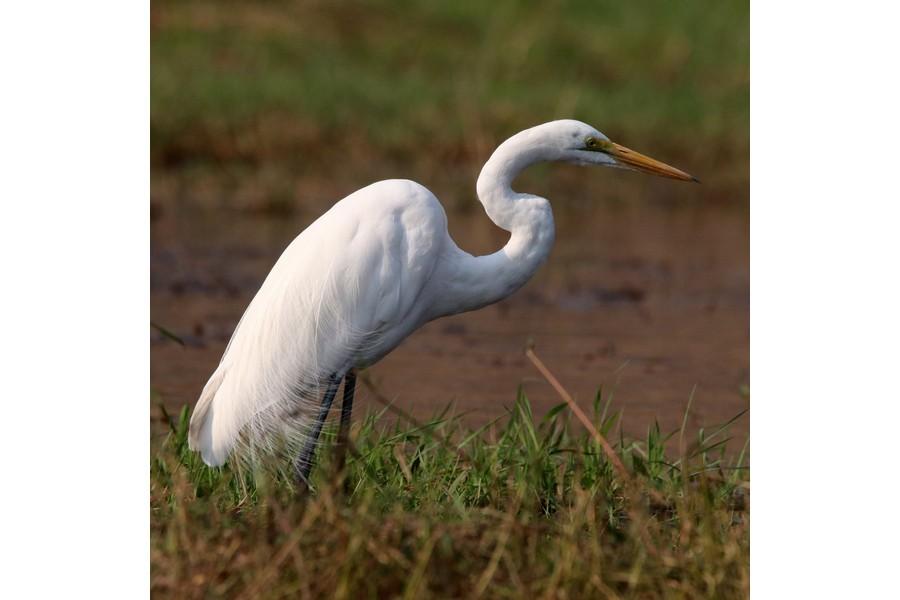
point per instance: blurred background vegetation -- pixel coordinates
(277, 106)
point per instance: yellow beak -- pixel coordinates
(645, 164)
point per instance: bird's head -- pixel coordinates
(579, 143)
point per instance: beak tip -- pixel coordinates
(695, 180)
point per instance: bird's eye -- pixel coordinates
(596, 145)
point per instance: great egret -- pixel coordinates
(366, 274)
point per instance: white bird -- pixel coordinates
(371, 270)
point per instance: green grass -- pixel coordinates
(522, 508)
(299, 94)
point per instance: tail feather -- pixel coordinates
(199, 435)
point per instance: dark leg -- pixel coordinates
(346, 412)
(303, 464)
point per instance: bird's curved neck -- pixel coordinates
(482, 280)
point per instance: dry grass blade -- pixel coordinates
(640, 520)
(583, 418)
(499, 549)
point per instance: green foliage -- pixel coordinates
(529, 508)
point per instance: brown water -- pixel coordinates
(648, 301)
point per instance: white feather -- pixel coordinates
(344, 285)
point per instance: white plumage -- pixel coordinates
(367, 273)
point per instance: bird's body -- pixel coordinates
(361, 278)
(371, 255)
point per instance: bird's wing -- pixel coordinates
(346, 280)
